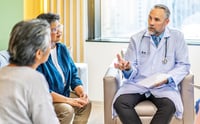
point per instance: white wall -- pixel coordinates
(100, 55)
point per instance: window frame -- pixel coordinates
(94, 26)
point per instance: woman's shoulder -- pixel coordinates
(60, 44)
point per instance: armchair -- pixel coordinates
(112, 81)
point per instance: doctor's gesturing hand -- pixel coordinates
(122, 63)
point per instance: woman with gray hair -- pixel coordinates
(24, 95)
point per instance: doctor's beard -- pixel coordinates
(152, 31)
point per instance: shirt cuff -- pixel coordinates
(171, 82)
(127, 73)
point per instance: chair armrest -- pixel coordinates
(187, 94)
(111, 83)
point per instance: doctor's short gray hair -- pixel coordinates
(26, 38)
(165, 8)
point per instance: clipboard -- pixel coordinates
(154, 80)
(196, 85)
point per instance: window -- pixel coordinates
(119, 19)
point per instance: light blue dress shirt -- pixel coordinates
(147, 59)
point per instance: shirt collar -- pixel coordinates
(160, 36)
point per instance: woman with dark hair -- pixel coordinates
(24, 95)
(69, 99)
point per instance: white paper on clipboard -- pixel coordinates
(196, 85)
(154, 80)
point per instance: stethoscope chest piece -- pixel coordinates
(164, 61)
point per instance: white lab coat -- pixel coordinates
(146, 60)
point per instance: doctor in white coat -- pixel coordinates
(145, 56)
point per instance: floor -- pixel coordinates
(97, 113)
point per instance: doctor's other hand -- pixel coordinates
(122, 63)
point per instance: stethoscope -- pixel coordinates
(164, 60)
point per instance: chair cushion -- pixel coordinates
(146, 108)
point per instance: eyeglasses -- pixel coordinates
(56, 29)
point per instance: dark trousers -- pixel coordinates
(124, 106)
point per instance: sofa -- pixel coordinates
(81, 67)
(4, 58)
(146, 109)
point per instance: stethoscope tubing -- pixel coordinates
(164, 61)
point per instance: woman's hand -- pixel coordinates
(77, 102)
(84, 97)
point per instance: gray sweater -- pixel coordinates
(24, 97)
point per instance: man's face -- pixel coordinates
(157, 21)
